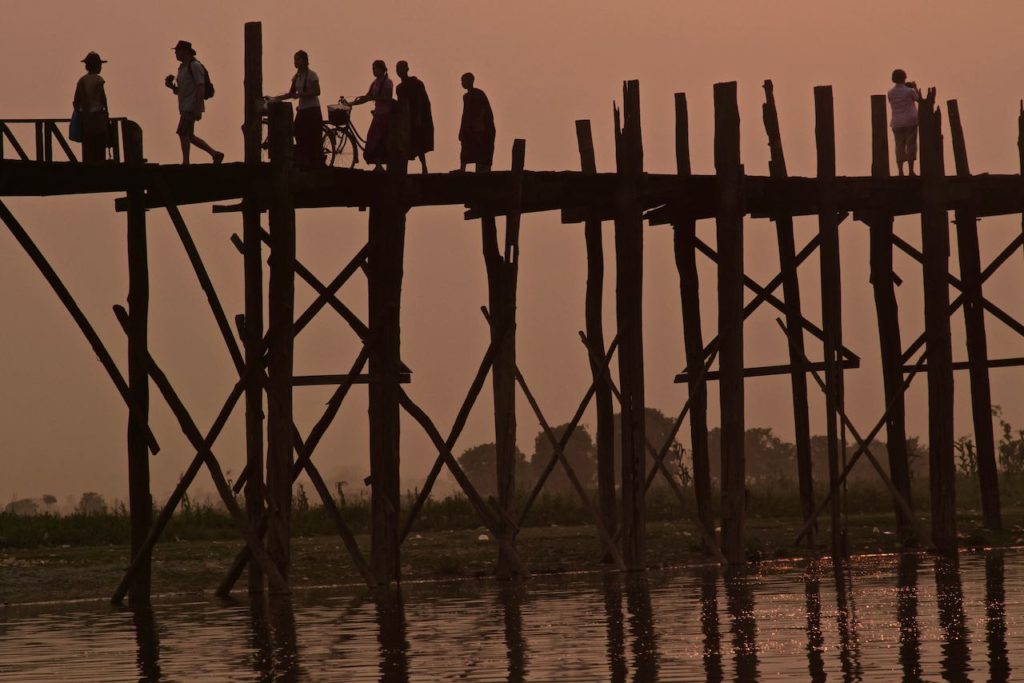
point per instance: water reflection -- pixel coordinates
(846, 624)
(815, 636)
(392, 637)
(775, 623)
(739, 598)
(906, 617)
(147, 640)
(949, 595)
(995, 616)
(511, 597)
(709, 626)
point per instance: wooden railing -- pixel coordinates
(50, 133)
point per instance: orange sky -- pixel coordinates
(543, 65)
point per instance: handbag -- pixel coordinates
(75, 127)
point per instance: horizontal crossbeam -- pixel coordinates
(770, 370)
(333, 380)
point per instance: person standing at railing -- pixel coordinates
(192, 88)
(309, 119)
(90, 104)
(381, 94)
(903, 99)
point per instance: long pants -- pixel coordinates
(906, 143)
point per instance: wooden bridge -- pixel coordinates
(267, 193)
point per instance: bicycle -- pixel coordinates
(340, 141)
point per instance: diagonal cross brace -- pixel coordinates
(51, 277)
(863, 448)
(660, 455)
(205, 454)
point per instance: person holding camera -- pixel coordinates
(191, 88)
(903, 99)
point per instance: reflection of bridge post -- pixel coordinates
(394, 645)
(995, 617)
(846, 625)
(616, 632)
(709, 626)
(740, 603)
(274, 638)
(815, 639)
(511, 599)
(956, 647)
(641, 626)
(906, 616)
(148, 641)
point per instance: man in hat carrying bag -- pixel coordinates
(90, 106)
(191, 88)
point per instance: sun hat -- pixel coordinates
(184, 45)
(94, 57)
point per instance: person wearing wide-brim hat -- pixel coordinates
(190, 87)
(91, 105)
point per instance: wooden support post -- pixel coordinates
(890, 346)
(502, 276)
(629, 270)
(593, 313)
(977, 342)
(729, 227)
(253, 287)
(384, 280)
(684, 246)
(935, 248)
(791, 292)
(139, 499)
(831, 299)
(281, 311)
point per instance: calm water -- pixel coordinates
(886, 619)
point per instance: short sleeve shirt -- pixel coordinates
(307, 82)
(903, 102)
(191, 88)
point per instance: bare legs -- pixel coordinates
(188, 140)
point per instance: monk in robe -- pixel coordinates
(477, 130)
(413, 94)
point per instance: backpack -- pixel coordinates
(208, 90)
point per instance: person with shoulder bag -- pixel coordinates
(193, 88)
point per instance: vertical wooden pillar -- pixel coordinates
(385, 262)
(629, 270)
(684, 236)
(831, 298)
(253, 278)
(977, 342)
(935, 248)
(791, 292)
(883, 284)
(281, 312)
(502, 277)
(729, 229)
(139, 499)
(605, 436)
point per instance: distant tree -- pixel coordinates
(49, 500)
(91, 503)
(766, 455)
(481, 466)
(580, 451)
(966, 457)
(1011, 445)
(657, 426)
(23, 507)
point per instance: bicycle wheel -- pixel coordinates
(346, 154)
(329, 145)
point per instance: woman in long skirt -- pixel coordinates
(381, 94)
(309, 119)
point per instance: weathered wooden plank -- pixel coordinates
(281, 320)
(831, 303)
(604, 437)
(684, 248)
(791, 292)
(771, 370)
(977, 342)
(935, 248)
(729, 224)
(883, 280)
(629, 254)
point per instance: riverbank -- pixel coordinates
(195, 567)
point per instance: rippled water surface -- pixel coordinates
(886, 619)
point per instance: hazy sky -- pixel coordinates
(543, 65)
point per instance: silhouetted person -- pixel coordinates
(191, 91)
(380, 93)
(903, 99)
(309, 119)
(421, 122)
(91, 104)
(477, 130)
